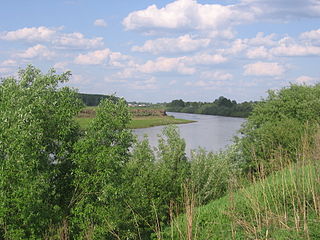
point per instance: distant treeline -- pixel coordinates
(94, 99)
(221, 106)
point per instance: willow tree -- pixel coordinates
(37, 133)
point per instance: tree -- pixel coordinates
(37, 132)
(100, 158)
(280, 121)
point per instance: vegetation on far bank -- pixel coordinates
(141, 118)
(59, 182)
(221, 107)
(141, 122)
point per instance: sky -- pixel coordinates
(161, 50)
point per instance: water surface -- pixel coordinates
(213, 133)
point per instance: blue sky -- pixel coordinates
(157, 51)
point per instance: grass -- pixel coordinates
(284, 205)
(144, 122)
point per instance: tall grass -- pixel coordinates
(283, 205)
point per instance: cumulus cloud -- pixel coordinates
(189, 15)
(259, 52)
(236, 47)
(9, 63)
(147, 84)
(37, 51)
(183, 43)
(61, 65)
(77, 40)
(53, 36)
(268, 47)
(289, 47)
(216, 75)
(312, 36)
(186, 15)
(5, 70)
(93, 58)
(105, 56)
(305, 80)
(30, 34)
(208, 84)
(204, 59)
(163, 64)
(260, 40)
(271, 69)
(284, 9)
(100, 23)
(183, 65)
(79, 79)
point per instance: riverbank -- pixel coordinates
(141, 119)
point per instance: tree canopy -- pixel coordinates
(221, 106)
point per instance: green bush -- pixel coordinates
(280, 121)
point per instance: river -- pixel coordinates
(213, 133)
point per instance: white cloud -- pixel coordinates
(37, 51)
(207, 84)
(183, 65)
(240, 45)
(61, 65)
(204, 59)
(93, 58)
(77, 40)
(5, 70)
(186, 15)
(30, 34)
(148, 84)
(163, 64)
(216, 75)
(259, 52)
(53, 36)
(311, 36)
(264, 69)
(100, 23)
(226, 33)
(105, 56)
(261, 39)
(295, 50)
(183, 43)
(9, 63)
(127, 73)
(305, 80)
(237, 46)
(79, 79)
(284, 9)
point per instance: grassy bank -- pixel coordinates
(144, 122)
(142, 118)
(285, 205)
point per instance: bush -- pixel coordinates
(280, 121)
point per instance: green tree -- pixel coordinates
(280, 121)
(172, 170)
(100, 159)
(37, 132)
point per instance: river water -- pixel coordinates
(213, 133)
